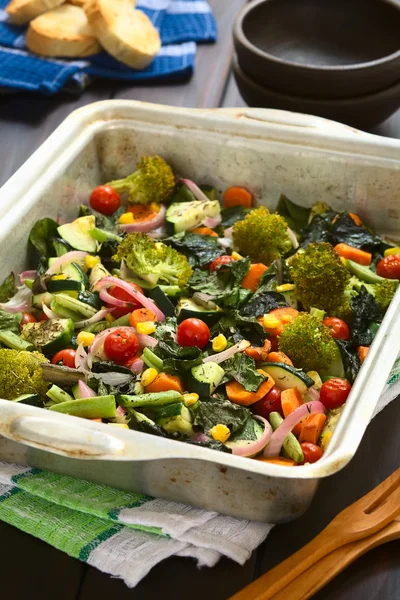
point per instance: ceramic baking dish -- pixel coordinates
(274, 152)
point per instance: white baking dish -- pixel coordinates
(273, 152)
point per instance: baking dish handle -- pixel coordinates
(294, 120)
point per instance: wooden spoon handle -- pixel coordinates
(271, 583)
(316, 577)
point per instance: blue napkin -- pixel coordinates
(181, 24)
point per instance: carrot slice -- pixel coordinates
(362, 352)
(311, 428)
(141, 212)
(252, 279)
(359, 256)
(284, 315)
(237, 195)
(238, 395)
(204, 231)
(290, 400)
(165, 382)
(279, 357)
(259, 352)
(278, 460)
(141, 315)
(356, 219)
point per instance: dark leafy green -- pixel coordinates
(102, 221)
(7, 288)
(213, 412)
(231, 215)
(105, 366)
(263, 303)
(317, 230)
(242, 368)
(295, 216)
(250, 431)
(200, 250)
(276, 274)
(207, 283)
(10, 321)
(212, 444)
(350, 359)
(366, 310)
(41, 237)
(177, 358)
(344, 230)
(166, 330)
(233, 324)
(183, 194)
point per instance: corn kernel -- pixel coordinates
(285, 287)
(220, 433)
(271, 322)
(236, 256)
(316, 379)
(121, 425)
(91, 261)
(155, 207)
(390, 251)
(219, 343)
(325, 439)
(287, 318)
(148, 376)
(109, 318)
(344, 260)
(58, 277)
(126, 218)
(147, 327)
(85, 338)
(190, 399)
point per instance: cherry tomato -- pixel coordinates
(193, 332)
(334, 392)
(338, 328)
(27, 318)
(311, 452)
(65, 357)
(120, 294)
(43, 317)
(105, 200)
(120, 345)
(389, 267)
(221, 260)
(270, 403)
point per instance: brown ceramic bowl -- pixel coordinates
(320, 48)
(362, 112)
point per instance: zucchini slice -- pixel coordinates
(187, 308)
(286, 376)
(182, 216)
(205, 378)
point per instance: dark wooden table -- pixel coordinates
(29, 566)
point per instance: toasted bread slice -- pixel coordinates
(23, 11)
(64, 31)
(127, 34)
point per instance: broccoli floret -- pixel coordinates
(383, 291)
(308, 343)
(153, 261)
(262, 236)
(21, 373)
(319, 276)
(153, 181)
(343, 309)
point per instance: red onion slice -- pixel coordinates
(145, 226)
(196, 191)
(225, 242)
(81, 359)
(228, 232)
(212, 222)
(146, 341)
(27, 275)
(312, 395)
(66, 259)
(219, 358)
(85, 391)
(293, 238)
(121, 412)
(137, 366)
(50, 314)
(106, 297)
(254, 447)
(95, 319)
(20, 302)
(107, 282)
(275, 444)
(199, 436)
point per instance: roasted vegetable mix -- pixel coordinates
(224, 325)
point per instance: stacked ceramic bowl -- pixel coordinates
(338, 59)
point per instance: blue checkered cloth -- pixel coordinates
(181, 23)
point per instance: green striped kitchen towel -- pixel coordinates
(126, 534)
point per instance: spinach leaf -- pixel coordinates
(233, 324)
(105, 366)
(166, 330)
(295, 216)
(212, 444)
(7, 288)
(263, 303)
(344, 230)
(10, 321)
(223, 286)
(242, 368)
(177, 358)
(366, 310)
(350, 359)
(238, 270)
(41, 237)
(276, 274)
(102, 221)
(231, 215)
(207, 283)
(200, 250)
(249, 432)
(317, 230)
(213, 412)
